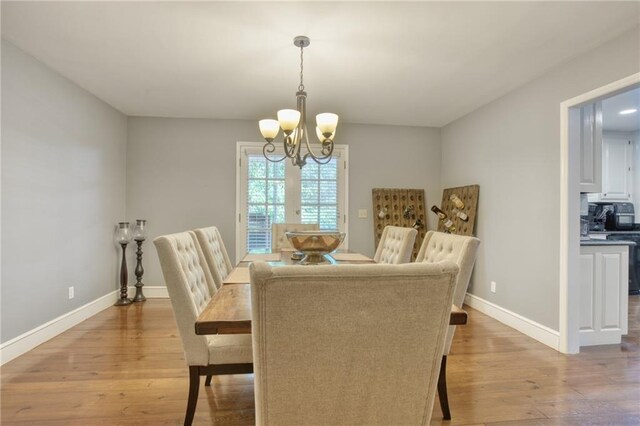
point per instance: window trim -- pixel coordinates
(241, 201)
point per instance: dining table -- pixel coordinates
(229, 310)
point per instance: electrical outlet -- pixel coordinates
(362, 213)
(493, 286)
(71, 293)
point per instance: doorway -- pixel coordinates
(570, 163)
(279, 192)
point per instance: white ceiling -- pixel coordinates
(611, 107)
(422, 64)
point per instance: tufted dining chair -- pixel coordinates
(396, 244)
(279, 240)
(462, 250)
(324, 354)
(191, 287)
(215, 253)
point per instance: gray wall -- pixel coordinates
(66, 155)
(389, 157)
(511, 147)
(181, 174)
(63, 189)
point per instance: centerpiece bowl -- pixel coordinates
(315, 244)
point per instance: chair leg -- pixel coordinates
(194, 387)
(442, 389)
(207, 381)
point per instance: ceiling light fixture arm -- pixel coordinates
(302, 132)
(268, 149)
(294, 126)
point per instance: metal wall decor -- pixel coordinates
(460, 204)
(399, 207)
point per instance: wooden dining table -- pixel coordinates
(229, 310)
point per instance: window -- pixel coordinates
(319, 194)
(269, 193)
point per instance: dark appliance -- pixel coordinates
(623, 216)
(634, 258)
(621, 222)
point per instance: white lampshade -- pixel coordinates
(269, 128)
(321, 136)
(327, 122)
(288, 119)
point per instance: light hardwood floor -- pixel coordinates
(125, 366)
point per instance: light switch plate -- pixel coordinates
(362, 213)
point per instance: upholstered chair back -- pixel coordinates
(279, 240)
(348, 344)
(190, 287)
(396, 244)
(460, 249)
(215, 253)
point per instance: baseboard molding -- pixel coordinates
(539, 332)
(151, 292)
(26, 341)
(32, 338)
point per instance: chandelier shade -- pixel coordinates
(294, 127)
(269, 129)
(327, 123)
(288, 119)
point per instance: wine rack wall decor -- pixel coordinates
(469, 197)
(399, 207)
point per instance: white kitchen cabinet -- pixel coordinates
(585, 128)
(604, 294)
(617, 164)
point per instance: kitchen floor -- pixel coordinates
(125, 366)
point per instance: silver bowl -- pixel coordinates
(315, 244)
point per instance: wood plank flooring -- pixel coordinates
(125, 366)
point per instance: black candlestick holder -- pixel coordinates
(139, 297)
(124, 277)
(123, 237)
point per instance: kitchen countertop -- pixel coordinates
(614, 232)
(606, 243)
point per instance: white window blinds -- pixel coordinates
(319, 194)
(265, 201)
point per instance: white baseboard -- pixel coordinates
(26, 341)
(32, 338)
(150, 292)
(539, 332)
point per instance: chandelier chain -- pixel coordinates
(301, 86)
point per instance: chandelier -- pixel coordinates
(294, 126)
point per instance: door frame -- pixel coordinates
(343, 180)
(569, 339)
